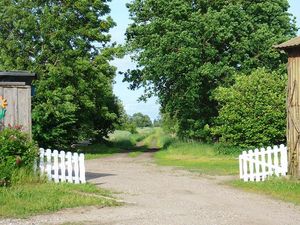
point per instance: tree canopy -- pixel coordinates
(186, 49)
(67, 44)
(140, 120)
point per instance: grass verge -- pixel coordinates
(119, 142)
(35, 196)
(279, 188)
(196, 156)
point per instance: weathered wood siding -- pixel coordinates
(293, 112)
(19, 105)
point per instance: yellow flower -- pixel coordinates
(3, 102)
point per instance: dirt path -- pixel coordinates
(167, 196)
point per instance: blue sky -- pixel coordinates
(129, 98)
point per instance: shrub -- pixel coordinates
(252, 111)
(16, 151)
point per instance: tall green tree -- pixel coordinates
(67, 44)
(140, 120)
(185, 49)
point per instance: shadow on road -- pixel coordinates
(91, 176)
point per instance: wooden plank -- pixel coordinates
(9, 117)
(293, 117)
(24, 108)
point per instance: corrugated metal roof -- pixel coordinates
(295, 42)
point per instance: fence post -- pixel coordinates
(263, 165)
(76, 168)
(42, 160)
(245, 166)
(276, 160)
(62, 166)
(81, 168)
(70, 169)
(55, 156)
(49, 164)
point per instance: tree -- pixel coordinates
(140, 120)
(186, 49)
(252, 111)
(66, 44)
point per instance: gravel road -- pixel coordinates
(168, 196)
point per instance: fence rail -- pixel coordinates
(257, 165)
(62, 166)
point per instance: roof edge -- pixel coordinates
(293, 43)
(17, 73)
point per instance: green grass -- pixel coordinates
(119, 142)
(279, 188)
(196, 156)
(135, 154)
(96, 151)
(29, 195)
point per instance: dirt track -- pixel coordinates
(167, 196)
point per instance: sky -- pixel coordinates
(129, 98)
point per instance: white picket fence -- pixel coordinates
(62, 166)
(257, 165)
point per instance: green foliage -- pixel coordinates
(186, 49)
(16, 151)
(67, 44)
(157, 122)
(252, 111)
(125, 123)
(169, 124)
(140, 120)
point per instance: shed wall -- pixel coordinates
(19, 105)
(293, 113)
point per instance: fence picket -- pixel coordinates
(245, 166)
(251, 166)
(257, 166)
(70, 168)
(62, 166)
(81, 168)
(241, 166)
(55, 166)
(263, 167)
(49, 163)
(276, 161)
(76, 168)
(284, 162)
(42, 160)
(269, 154)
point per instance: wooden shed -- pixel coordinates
(15, 90)
(292, 48)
